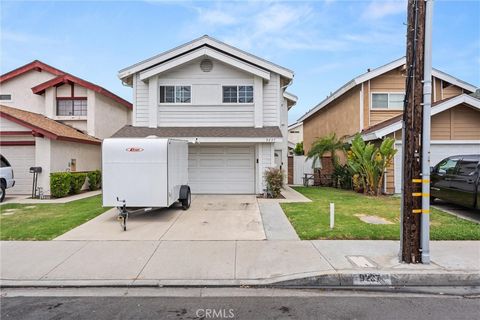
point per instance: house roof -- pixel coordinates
(194, 132)
(377, 72)
(294, 125)
(291, 98)
(204, 42)
(386, 127)
(62, 78)
(39, 124)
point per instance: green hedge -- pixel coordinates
(76, 182)
(60, 184)
(94, 180)
(65, 183)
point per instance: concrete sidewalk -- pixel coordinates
(233, 263)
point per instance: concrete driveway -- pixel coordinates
(210, 217)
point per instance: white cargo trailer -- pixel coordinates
(144, 172)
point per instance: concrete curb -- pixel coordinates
(330, 279)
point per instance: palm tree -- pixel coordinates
(327, 144)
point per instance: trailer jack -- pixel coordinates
(122, 214)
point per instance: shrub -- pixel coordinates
(342, 177)
(274, 178)
(94, 180)
(76, 182)
(60, 184)
(298, 150)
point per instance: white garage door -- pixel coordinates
(21, 158)
(221, 169)
(438, 152)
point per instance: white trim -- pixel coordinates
(361, 107)
(463, 98)
(231, 139)
(379, 71)
(153, 92)
(399, 142)
(290, 96)
(258, 100)
(134, 100)
(203, 51)
(294, 125)
(388, 93)
(203, 41)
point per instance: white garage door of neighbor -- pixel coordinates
(438, 152)
(21, 158)
(221, 169)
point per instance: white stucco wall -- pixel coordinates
(20, 88)
(88, 156)
(110, 116)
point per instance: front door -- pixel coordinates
(278, 159)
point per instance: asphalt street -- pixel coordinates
(251, 304)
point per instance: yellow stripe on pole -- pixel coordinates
(421, 211)
(419, 194)
(420, 180)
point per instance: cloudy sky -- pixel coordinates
(326, 43)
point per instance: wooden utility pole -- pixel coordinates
(412, 134)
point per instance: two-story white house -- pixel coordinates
(230, 105)
(54, 120)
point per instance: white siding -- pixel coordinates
(271, 101)
(141, 102)
(206, 108)
(222, 116)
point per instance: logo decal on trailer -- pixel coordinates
(134, 149)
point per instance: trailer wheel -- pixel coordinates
(186, 197)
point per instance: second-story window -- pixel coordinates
(175, 94)
(387, 101)
(72, 107)
(237, 94)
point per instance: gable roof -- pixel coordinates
(294, 125)
(291, 99)
(68, 78)
(208, 42)
(377, 72)
(386, 127)
(45, 126)
(62, 78)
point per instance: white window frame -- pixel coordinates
(388, 101)
(175, 94)
(238, 94)
(11, 97)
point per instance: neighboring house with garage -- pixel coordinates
(54, 120)
(373, 101)
(230, 105)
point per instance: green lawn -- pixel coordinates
(46, 221)
(311, 220)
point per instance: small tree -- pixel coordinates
(368, 163)
(298, 150)
(328, 144)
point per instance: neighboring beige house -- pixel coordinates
(375, 100)
(295, 134)
(230, 105)
(54, 120)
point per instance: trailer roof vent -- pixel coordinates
(206, 65)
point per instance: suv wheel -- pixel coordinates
(2, 192)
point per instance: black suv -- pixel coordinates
(456, 179)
